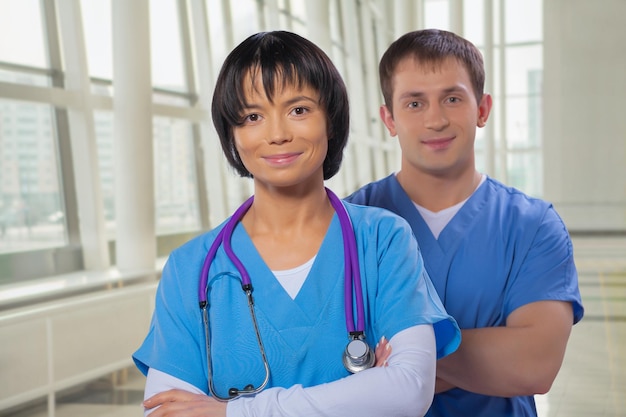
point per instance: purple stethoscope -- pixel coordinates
(357, 355)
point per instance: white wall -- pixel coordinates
(584, 112)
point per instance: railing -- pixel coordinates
(57, 344)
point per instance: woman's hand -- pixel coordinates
(182, 403)
(382, 352)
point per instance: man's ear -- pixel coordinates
(484, 108)
(387, 117)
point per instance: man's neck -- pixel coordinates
(436, 193)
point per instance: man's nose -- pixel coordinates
(435, 117)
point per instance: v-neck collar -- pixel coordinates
(324, 281)
(438, 252)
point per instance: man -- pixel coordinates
(501, 261)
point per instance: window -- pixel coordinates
(509, 148)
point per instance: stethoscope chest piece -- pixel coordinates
(358, 356)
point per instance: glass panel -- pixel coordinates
(523, 21)
(298, 16)
(523, 129)
(18, 77)
(217, 33)
(103, 122)
(474, 21)
(32, 215)
(523, 70)
(182, 100)
(21, 33)
(174, 169)
(98, 37)
(525, 172)
(176, 189)
(337, 49)
(245, 22)
(437, 14)
(283, 20)
(166, 41)
(480, 160)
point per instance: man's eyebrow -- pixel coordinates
(411, 94)
(419, 94)
(455, 89)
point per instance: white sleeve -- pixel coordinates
(403, 388)
(157, 381)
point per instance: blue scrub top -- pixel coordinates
(502, 250)
(303, 337)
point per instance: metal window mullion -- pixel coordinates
(62, 128)
(213, 174)
(26, 69)
(488, 52)
(503, 175)
(355, 81)
(229, 32)
(82, 139)
(190, 78)
(373, 127)
(185, 36)
(271, 12)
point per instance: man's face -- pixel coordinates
(435, 115)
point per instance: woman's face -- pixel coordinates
(282, 142)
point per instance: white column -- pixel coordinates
(584, 128)
(455, 9)
(134, 173)
(405, 16)
(318, 24)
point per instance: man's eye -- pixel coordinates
(414, 105)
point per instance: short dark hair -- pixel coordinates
(431, 46)
(280, 58)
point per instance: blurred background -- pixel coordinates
(109, 160)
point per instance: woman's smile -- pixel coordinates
(282, 159)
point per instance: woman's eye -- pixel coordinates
(299, 111)
(252, 117)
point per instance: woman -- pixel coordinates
(281, 111)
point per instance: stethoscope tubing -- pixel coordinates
(351, 268)
(227, 230)
(352, 287)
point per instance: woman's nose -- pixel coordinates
(278, 131)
